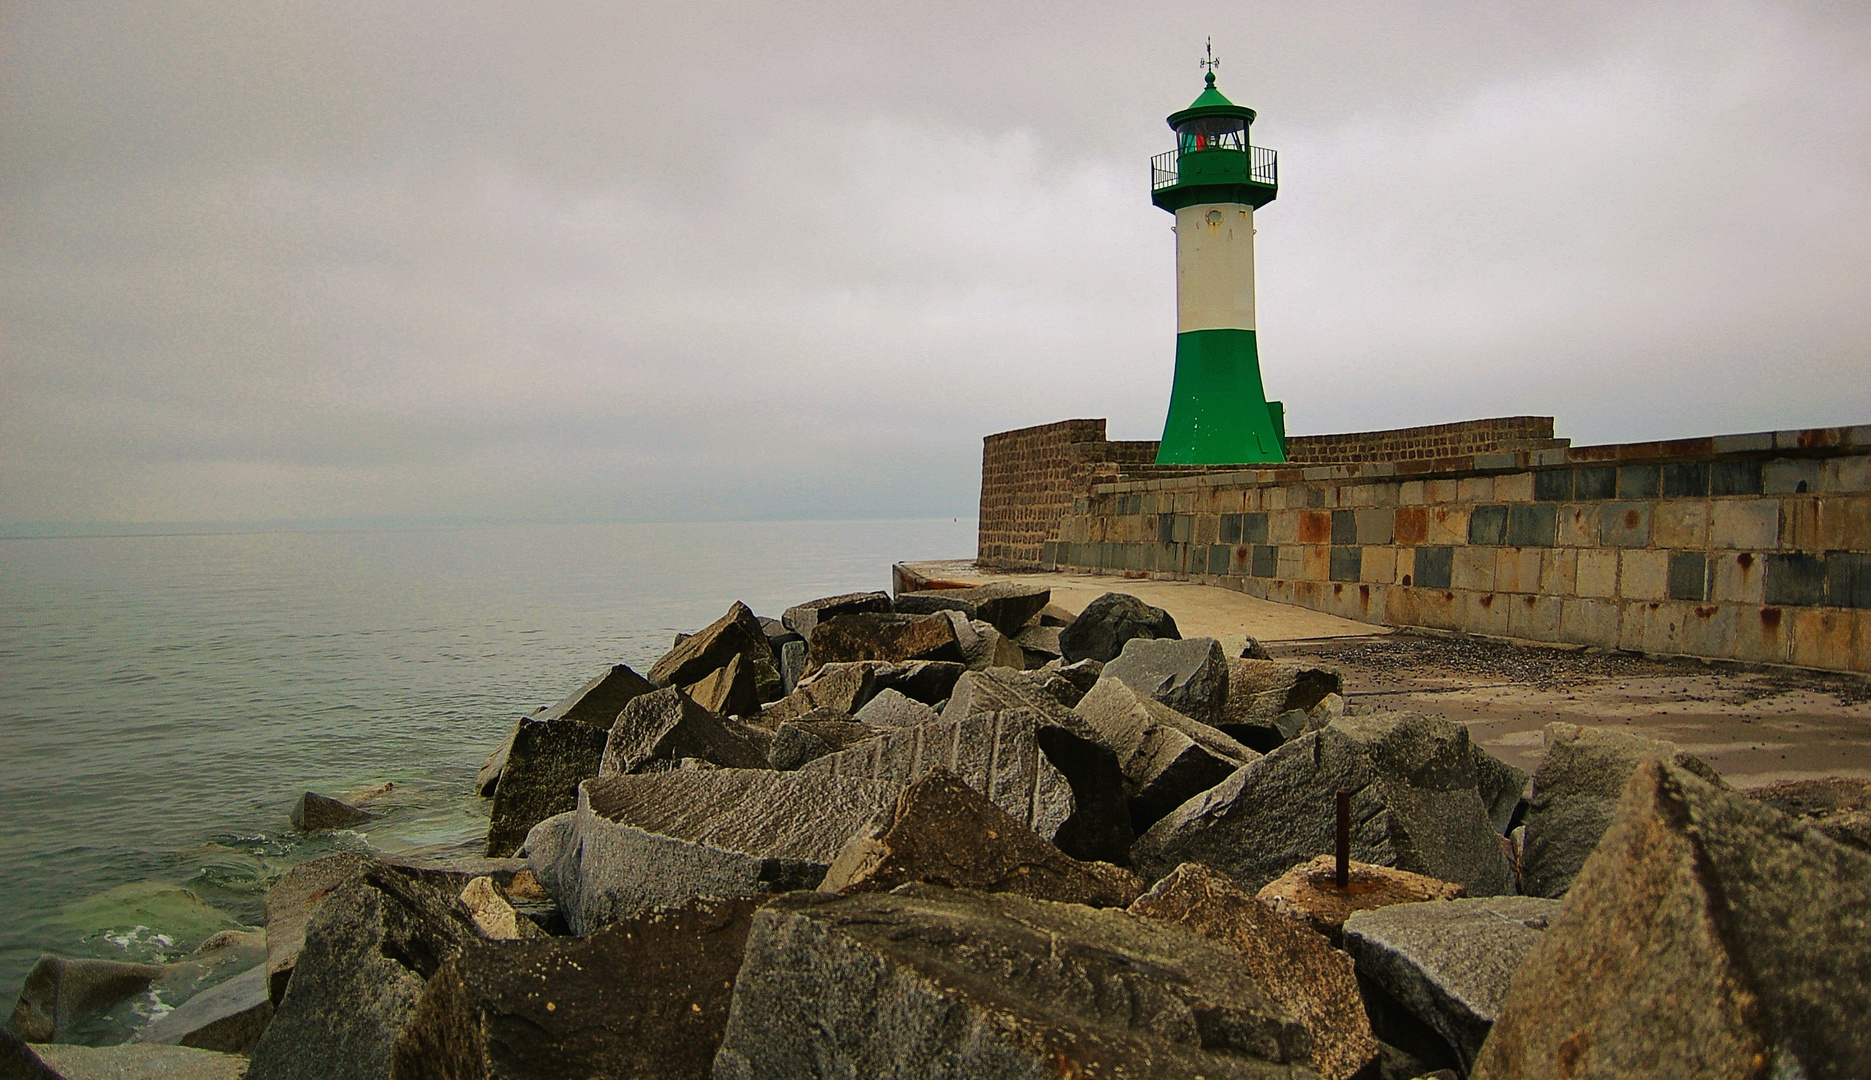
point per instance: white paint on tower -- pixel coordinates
(1214, 267)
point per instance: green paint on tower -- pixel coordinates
(1218, 412)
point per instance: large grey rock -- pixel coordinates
(1709, 936)
(659, 729)
(1309, 892)
(1006, 605)
(892, 638)
(802, 619)
(314, 812)
(1295, 967)
(1032, 757)
(1500, 786)
(1190, 675)
(728, 690)
(655, 840)
(1414, 806)
(792, 660)
(944, 832)
(982, 646)
(135, 1061)
(599, 701)
(926, 981)
(1838, 806)
(1038, 644)
(290, 904)
(227, 1017)
(548, 759)
(842, 687)
(738, 633)
(18, 1062)
(1575, 793)
(645, 998)
(812, 736)
(928, 681)
(1449, 961)
(1107, 623)
(371, 944)
(1263, 695)
(60, 995)
(890, 709)
(1166, 757)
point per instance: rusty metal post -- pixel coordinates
(1344, 839)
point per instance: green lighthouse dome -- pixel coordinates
(1213, 161)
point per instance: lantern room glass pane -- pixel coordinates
(1212, 133)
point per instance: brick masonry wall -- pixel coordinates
(1030, 476)
(1751, 547)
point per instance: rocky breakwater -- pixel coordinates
(945, 835)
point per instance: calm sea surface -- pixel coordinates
(164, 699)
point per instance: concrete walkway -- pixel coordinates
(1199, 610)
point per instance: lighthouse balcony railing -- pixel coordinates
(1263, 166)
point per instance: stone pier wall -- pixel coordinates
(1747, 547)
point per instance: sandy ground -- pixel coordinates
(1755, 725)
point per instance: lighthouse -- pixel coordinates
(1213, 181)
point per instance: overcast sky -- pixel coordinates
(694, 261)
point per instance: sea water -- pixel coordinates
(165, 699)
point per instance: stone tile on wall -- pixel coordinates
(1553, 485)
(1516, 487)
(1736, 578)
(1578, 525)
(1792, 476)
(1643, 574)
(1822, 637)
(1485, 612)
(1639, 481)
(1532, 524)
(1410, 493)
(1473, 569)
(1347, 563)
(1848, 579)
(1651, 627)
(1379, 565)
(1315, 527)
(1861, 642)
(1597, 572)
(1595, 483)
(1517, 570)
(1709, 629)
(1533, 617)
(1440, 491)
(1406, 566)
(1680, 523)
(1474, 489)
(1744, 524)
(1795, 579)
(1689, 576)
(1344, 526)
(1845, 475)
(1625, 524)
(1410, 526)
(1376, 525)
(1265, 561)
(1741, 477)
(1686, 479)
(1559, 572)
(1761, 634)
(1316, 562)
(1799, 523)
(1292, 561)
(1589, 622)
(1845, 523)
(1448, 525)
(1487, 524)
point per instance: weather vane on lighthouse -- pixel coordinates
(1213, 182)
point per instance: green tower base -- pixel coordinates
(1218, 410)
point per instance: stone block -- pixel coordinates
(1415, 805)
(1106, 624)
(1291, 561)
(1721, 939)
(1844, 523)
(1535, 618)
(1625, 525)
(1597, 572)
(1254, 528)
(1799, 523)
(1680, 523)
(1589, 622)
(599, 701)
(1795, 579)
(60, 996)
(1316, 562)
(1514, 487)
(893, 638)
(1346, 563)
(943, 832)
(1639, 481)
(1315, 527)
(1309, 892)
(1379, 565)
(1643, 574)
(638, 842)
(1849, 475)
(1688, 576)
(1745, 524)
(1553, 485)
(1848, 579)
(1822, 638)
(1577, 526)
(1283, 526)
(1374, 526)
(709, 649)
(1484, 613)
(1440, 608)
(1736, 578)
(1411, 493)
(1792, 476)
(1405, 565)
(1434, 567)
(1761, 635)
(1166, 757)
(1517, 570)
(1230, 528)
(1532, 525)
(1487, 524)
(1595, 483)
(927, 982)
(1474, 489)
(1709, 629)
(1410, 526)
(1735, 478)
(1473, 569)
(1685, 479)
(659, 729)
(1295, 967)
(1263, 560)
(1449, 962)
(1448, 524)
(1559, 572)
(548, 760)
